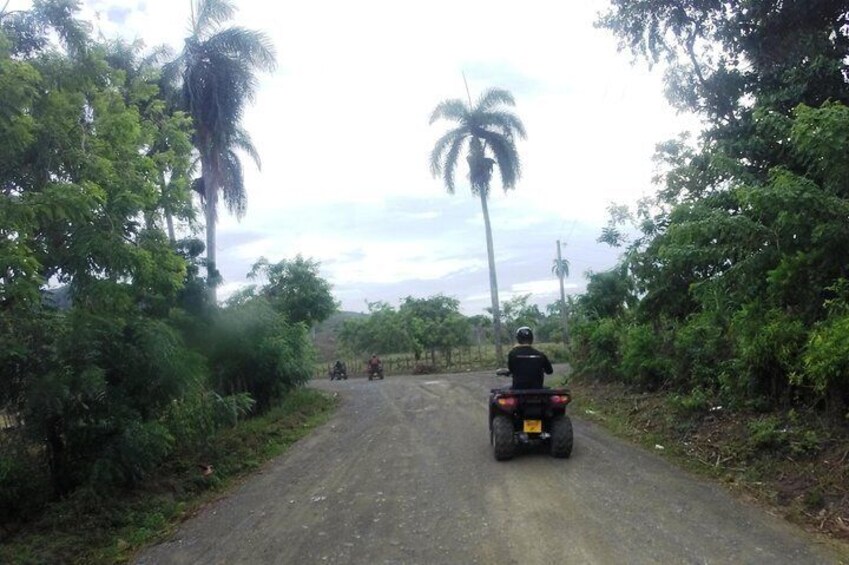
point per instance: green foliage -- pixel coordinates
(383, 330)
(105, 365)
(696, 402)
(434, 323)
(253, 349)
(595, 348)
(731, 284)
(643, 361)
(295, 289)
(826, 359)
(516, 312)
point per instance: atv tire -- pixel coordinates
(502, 438)
(561, 437)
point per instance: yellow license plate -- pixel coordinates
(533, 426)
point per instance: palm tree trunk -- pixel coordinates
(563, 309)
(169, 222)
(561, 274)
(166, 207)
(210, 202)
(493, 281)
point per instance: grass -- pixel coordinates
(792, 462)
(89, 528)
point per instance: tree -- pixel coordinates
(434, 323)
(488, 131)
(560, 268)
(517, 312)
(77, 178)
(295, 289)
(736, 282)
(217, 69)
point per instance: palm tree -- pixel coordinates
(488, 130)
(560, 268)
(217, 68)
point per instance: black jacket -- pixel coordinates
(527, 366)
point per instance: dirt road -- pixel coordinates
(404, 473)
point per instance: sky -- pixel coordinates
(342, 129)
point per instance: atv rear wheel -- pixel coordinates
(561, 437)
(502, 438)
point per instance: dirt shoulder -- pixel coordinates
(792, 463)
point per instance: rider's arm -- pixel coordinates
(511, 365)
(547, 365)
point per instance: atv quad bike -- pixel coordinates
(526, 417)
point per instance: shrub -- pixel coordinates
(826, 360)
(253, 349)
(595, 348)
(643, 361)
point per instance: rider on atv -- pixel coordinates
(526, 363)
(374, 365)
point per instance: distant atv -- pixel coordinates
(375, 372)
(533, 416)
(338, 373)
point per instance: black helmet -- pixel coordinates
(525, 335)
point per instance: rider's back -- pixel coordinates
(528, 367)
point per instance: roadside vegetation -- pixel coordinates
(725, 327)
(126, 389)
(433, 331)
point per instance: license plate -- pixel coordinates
(533, 426)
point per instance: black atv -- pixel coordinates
(338, 373)
(527, 417)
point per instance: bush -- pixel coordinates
(643, 361)
(697, 402)
(826, 360)
(768, 346)
(24, 484)
(595, 348)
(253, 349)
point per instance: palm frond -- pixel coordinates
(233, 184)
(453, 109)
(251, 48)
(441, 146)
(506, 122)
(158, 56)
(450, 163)
(242, 140)
(506, 157)
(211, 13)
(492, 98)
(560, 268)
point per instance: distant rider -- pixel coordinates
(374, 364)
(527, 364)
(339, 368)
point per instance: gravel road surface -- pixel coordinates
(404, 473)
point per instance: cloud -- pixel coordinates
(343, 131)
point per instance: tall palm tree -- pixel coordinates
(560, 268)
(488, 131)
(218, 68)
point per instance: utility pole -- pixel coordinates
(561, 273)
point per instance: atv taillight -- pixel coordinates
(560, 399)
(507, 401)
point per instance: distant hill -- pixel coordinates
(324, 336)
